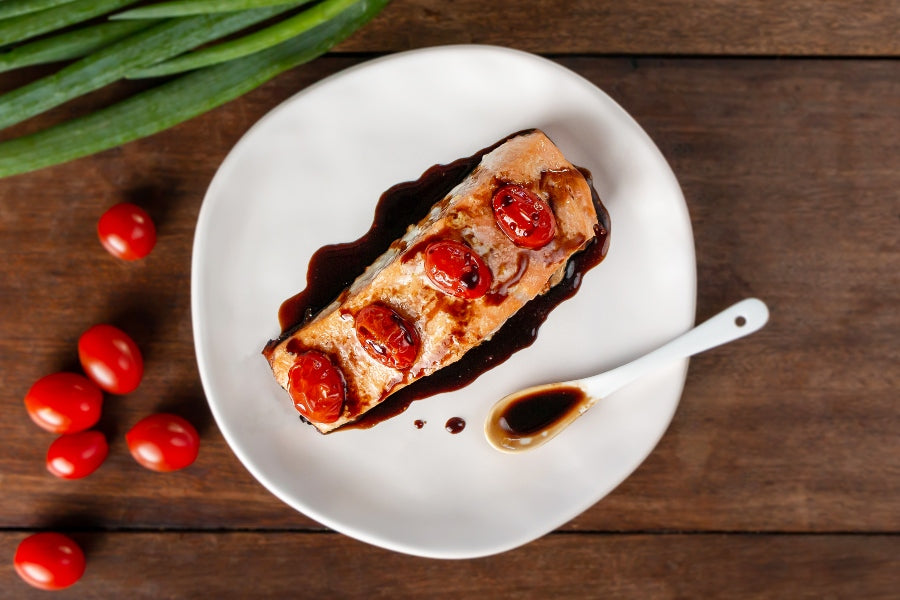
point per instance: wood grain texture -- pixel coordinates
(297, 565)
(666, 27)
(780, 474)
(790, 170)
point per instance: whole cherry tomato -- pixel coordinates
(127, 231)
(49, 561)
(317, 387)
(77, 455)
(64, 402)
(111, 358)
(523, 216)
(163, 442)
(455, 269)
(386, 336)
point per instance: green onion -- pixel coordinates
(248, 44)
(178, 100)
(182, 8)
(109, 64)
(21, 7)
(28, 26)
(69, 45)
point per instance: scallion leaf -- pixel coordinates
(24, 27)
(161, 41)
(14, 8)
(69, 45)
(183, 8)
(177, 100)
(254, 42)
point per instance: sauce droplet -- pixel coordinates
(455, 425)
(419, 423)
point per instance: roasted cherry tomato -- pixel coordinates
(455, 269)
(77, 455)
(111, 359)
(64, 402)
(49, 561)
(127, 231)
(523, 216)
(387, 337)
(317, 387)
(163, 442)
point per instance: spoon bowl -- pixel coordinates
(529, 418)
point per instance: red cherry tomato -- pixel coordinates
(386, 336)
(127, 231)
(523, 216)
(111, 359)
(49, 561)
(77, 455)
(163, 442)
(317, 387)
(64, 402)
(455, 269)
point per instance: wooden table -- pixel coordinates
(780, 475)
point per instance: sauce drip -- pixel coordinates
(334, 267)
(535, 412)
(419, 423)
(455, 425)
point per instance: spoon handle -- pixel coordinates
(734, 322)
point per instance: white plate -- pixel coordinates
(309, 174)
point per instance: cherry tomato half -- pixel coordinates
(523, 216)
(127, 231)
(317, 387)
(163, 442)
(49, 561)
(77, 455)
(111, 359)
(64, 402)
(455, 269)
(386, 336)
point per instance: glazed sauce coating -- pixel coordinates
(334, 267)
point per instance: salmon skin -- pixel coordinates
(437, 327)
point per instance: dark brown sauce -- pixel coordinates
(333, 268)
(539, 410)
(455, 425)
(419, 423)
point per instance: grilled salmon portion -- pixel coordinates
(500, 238)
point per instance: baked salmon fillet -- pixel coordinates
(500, 238)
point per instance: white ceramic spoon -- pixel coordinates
(528, 418)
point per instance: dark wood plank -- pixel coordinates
(757, 27)
(289, 565)
(790, 172)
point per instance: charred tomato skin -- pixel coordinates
(523, 216)
(456, 269)
(386, 336)
(317, 387)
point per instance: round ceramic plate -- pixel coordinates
(310, 173)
